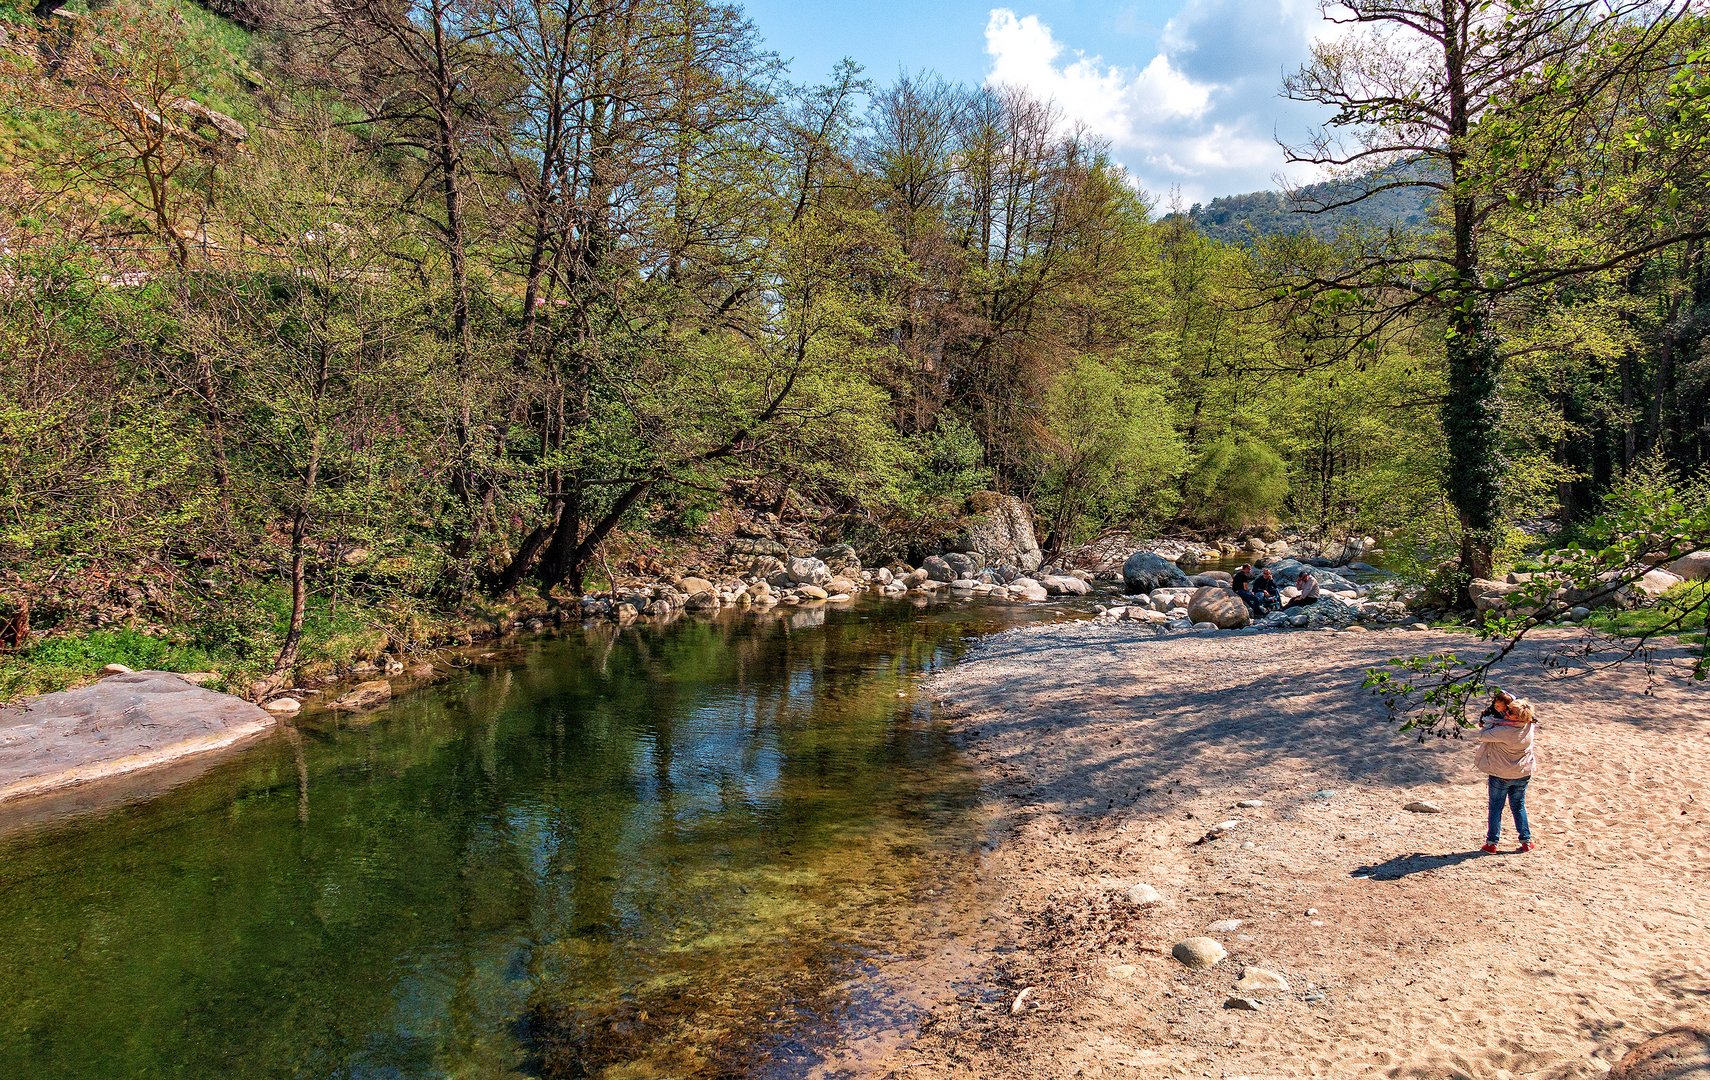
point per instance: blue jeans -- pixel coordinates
(1513, 792)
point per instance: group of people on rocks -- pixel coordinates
(1261, 591)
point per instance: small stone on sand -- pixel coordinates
(1199, 952)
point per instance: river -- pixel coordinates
(648, 852)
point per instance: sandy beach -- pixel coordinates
(1111, 753)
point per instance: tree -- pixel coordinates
(1442, 86)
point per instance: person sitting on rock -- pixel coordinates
(1267, 591)
(1242, 583)
(1308, 586)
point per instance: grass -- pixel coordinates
(57, 662)
(238, 641)
(1680, 612)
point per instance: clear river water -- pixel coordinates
(647, 852)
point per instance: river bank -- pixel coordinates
(1110, 754)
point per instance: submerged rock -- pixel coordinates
(367, 695)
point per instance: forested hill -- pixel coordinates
(1239, 219)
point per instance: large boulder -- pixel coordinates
(999, 529)
(1657, 582)
(1144, 571)
(1027, 589)
(809, 571)
(1693, 567)
(119, 725)
(1217, 605)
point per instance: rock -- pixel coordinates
(840, 559)
(999, 529)
(1143, 572)
(115, 669)
(1199, 953)
(1325, 794)
(963, 564)
(1216, 605)
(421, 669)
(1121, 971)
(842, 586)
(200, 678)
(367, 695)
(1580, 613)
(1143, 895)
(700, 601)
(1657, 582)
(1250, 804)
(1062, 585)
(1246, 1004)
(1356, 628)
(1224, 926)
(694, 586)
(937, 568)
(1681, 1053)
(1257, 980)
(1423, 806)
(883, 576)
(1693, 567)
(1145, 615)
(1027, 589)
(283, 706)
(116, 726)
(812, 592)
(807, 570)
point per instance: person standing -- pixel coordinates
(1505, 754)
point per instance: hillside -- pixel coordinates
(1240, 219)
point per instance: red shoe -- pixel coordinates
(1488, 849)
(1527, 846)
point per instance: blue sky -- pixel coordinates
(1185, 90)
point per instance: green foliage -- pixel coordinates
(950, 465)
(1110, 452)
(1236, 483)
(58, 662)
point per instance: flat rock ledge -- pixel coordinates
(122, 724)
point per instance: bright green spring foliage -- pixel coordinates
(382, 340)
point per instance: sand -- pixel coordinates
(1110, 752)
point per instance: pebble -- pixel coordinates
(1245, 1004)
(1250, 804)
(282, 705)
(1248, 845)
(1327, 793)
(115, 669)
(1224, 926)
(1257, 980)
(1199, 952)
(1423, 806)
(1020, 1005)
(1312, 911)
(1120, 971)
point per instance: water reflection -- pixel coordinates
(657, 852)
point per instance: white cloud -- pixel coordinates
(1200, 114)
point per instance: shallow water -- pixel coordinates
(645, 852)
